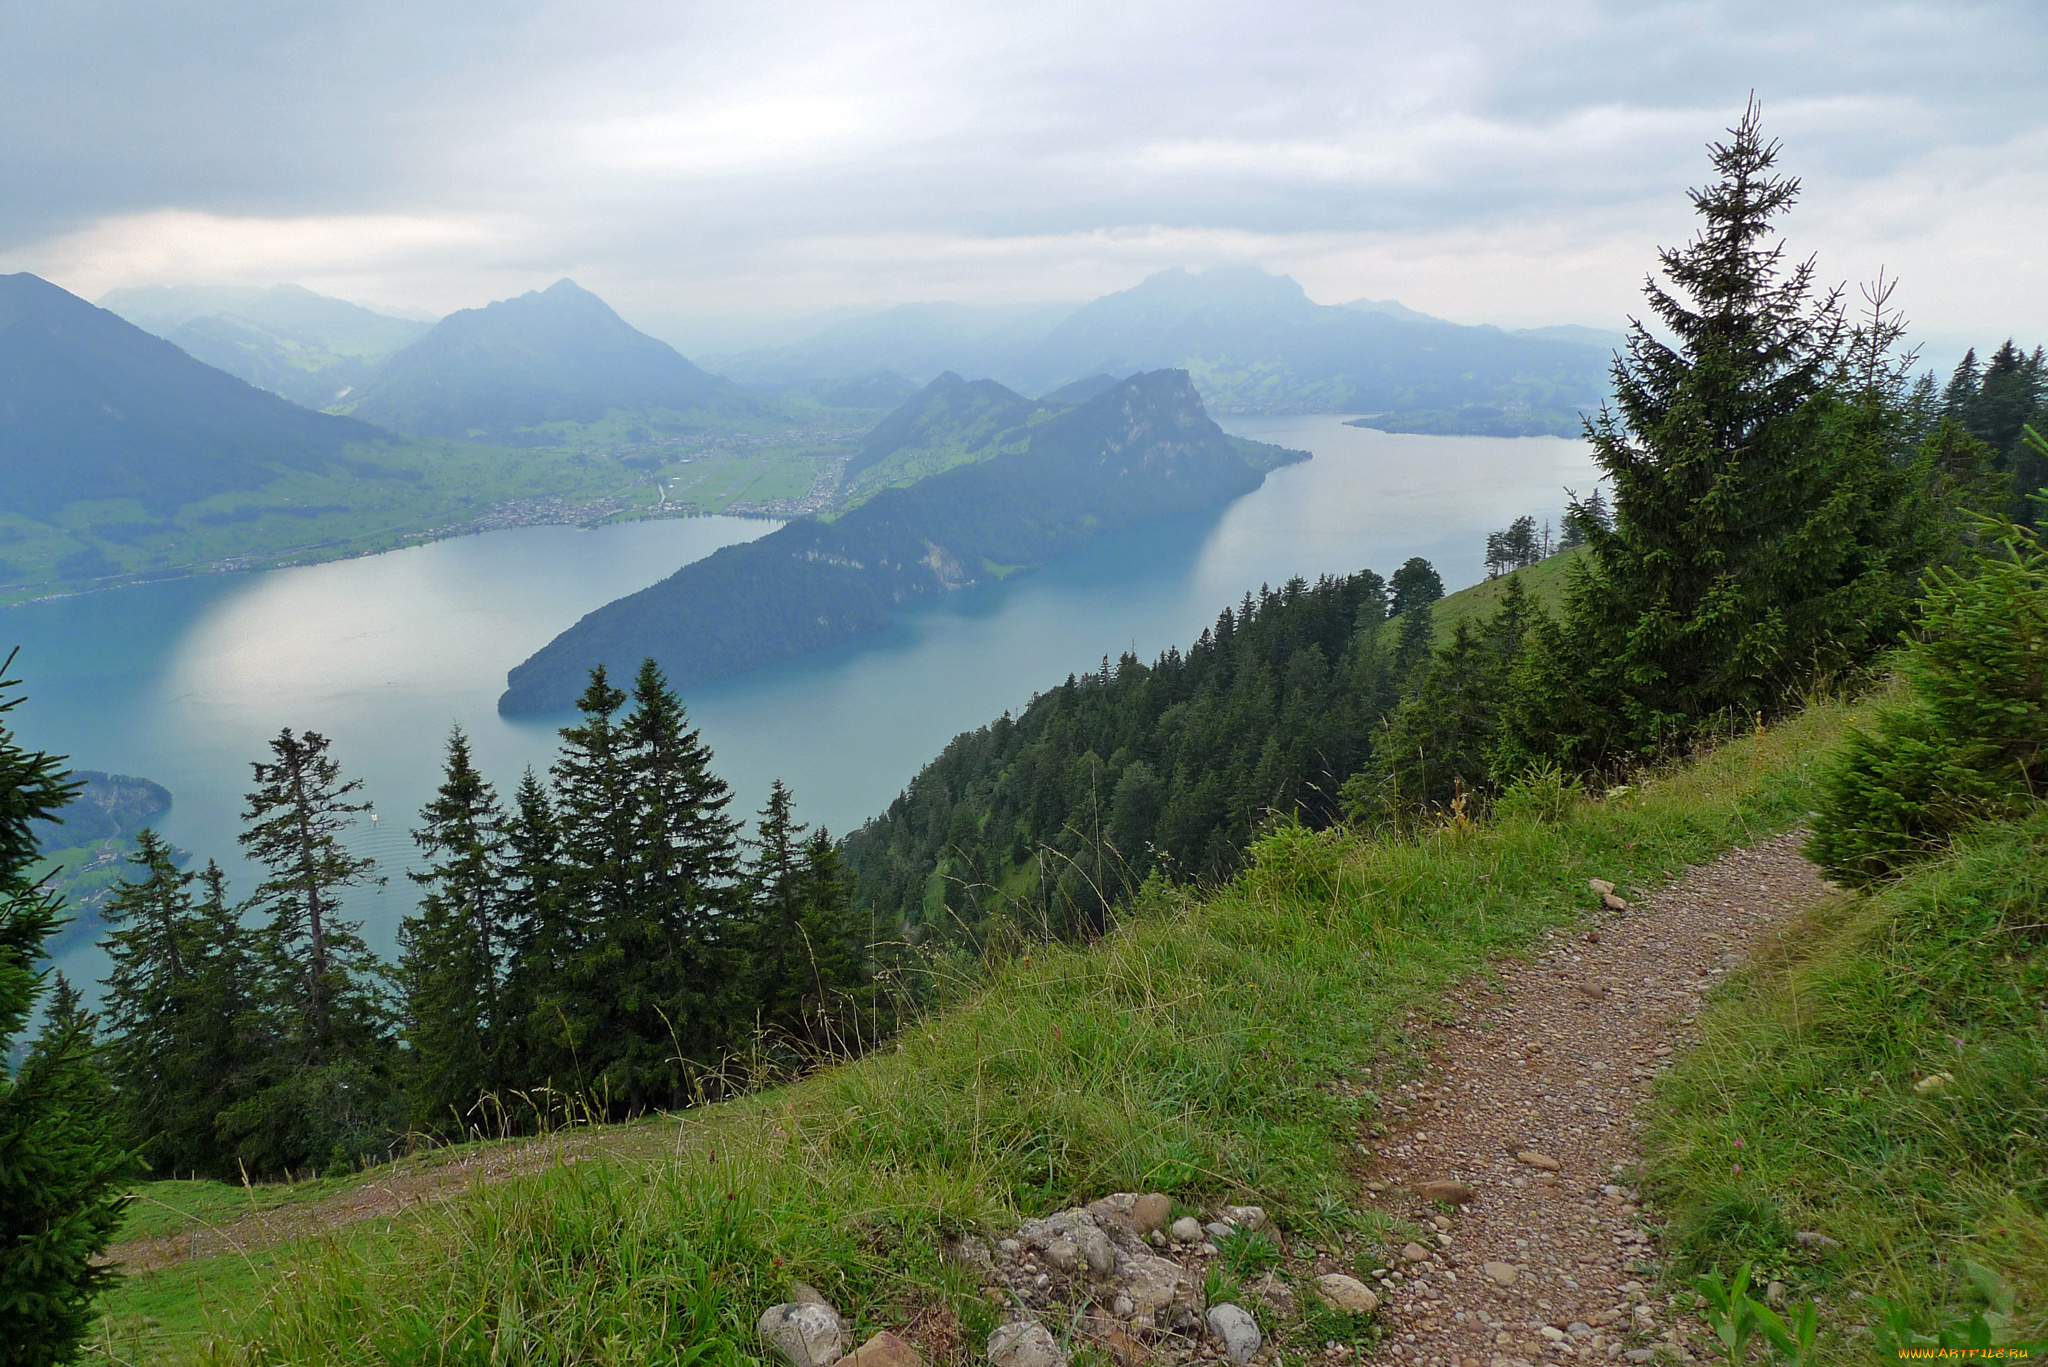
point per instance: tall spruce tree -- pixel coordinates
(62, 1167)
(544, 940)
(677, 960)
(1762, 506)
(328, 1096)
(597, 822)
(454, 948)
(179, 1009)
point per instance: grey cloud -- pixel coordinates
(650, 142)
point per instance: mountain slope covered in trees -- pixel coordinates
(1139, 452)
(949, 422)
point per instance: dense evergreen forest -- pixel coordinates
(602, 944)
(1169, 766)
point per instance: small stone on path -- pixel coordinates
(805, 1333)
(1238, 1331)
(1497, 1271)
(1457, 1193)
(1024, 1343)
(883, 1350)
(1348, 1294)
(1531, 1158)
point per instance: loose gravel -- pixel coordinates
(1533, 1098)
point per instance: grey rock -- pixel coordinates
(1237, 1330)
(1245, 1217)
(1149, 1212)
(803, 1293)
(1275, 1293)
(1414, 1253)
(1186, 1230)
(804, 1333)
(1024, 1343)
(1096, 1250)
(1639, 1354)
(969, 1251)
(1500, 1273)
(1158, 1287)
(1813, 1238)
(1216, 1229)
(1578, 1329)
(1063, 1254)
(1344, 1293)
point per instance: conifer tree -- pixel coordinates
(62, 1169)
(1762, 531)
(597, 827)
(1415, 584)
(454, 947)
(670, 946)
(179, 1004)
(327, 1096)
(544, 939)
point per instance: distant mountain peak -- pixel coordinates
(555, 355)
(1392, 308)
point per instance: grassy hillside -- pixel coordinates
(375, 497)
(1218, 1047)
(1881, 1081)
(1543, 581)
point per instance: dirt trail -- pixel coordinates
(407, 1184)
(1546, 1265)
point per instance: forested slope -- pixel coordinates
(1171, 765)
(1142, 451)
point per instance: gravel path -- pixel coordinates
(1548, 1261)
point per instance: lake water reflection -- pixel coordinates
(183, 682)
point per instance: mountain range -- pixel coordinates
(284, 338)
(1140, 451)
(93, 407)
(515, 371)
(1253, 342)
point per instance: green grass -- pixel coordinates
(174, 1206)
(1193, 1049)
(1543, 581)
(401, 494)
(1800, 1110)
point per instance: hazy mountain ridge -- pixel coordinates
(1253, 343)
(507, 371)
(93, 407)
(124, 458)
(1142, 451)
(308, 347)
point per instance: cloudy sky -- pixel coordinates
(699, 164)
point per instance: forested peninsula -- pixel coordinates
(1141, 451)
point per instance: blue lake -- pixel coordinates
(184, 682)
